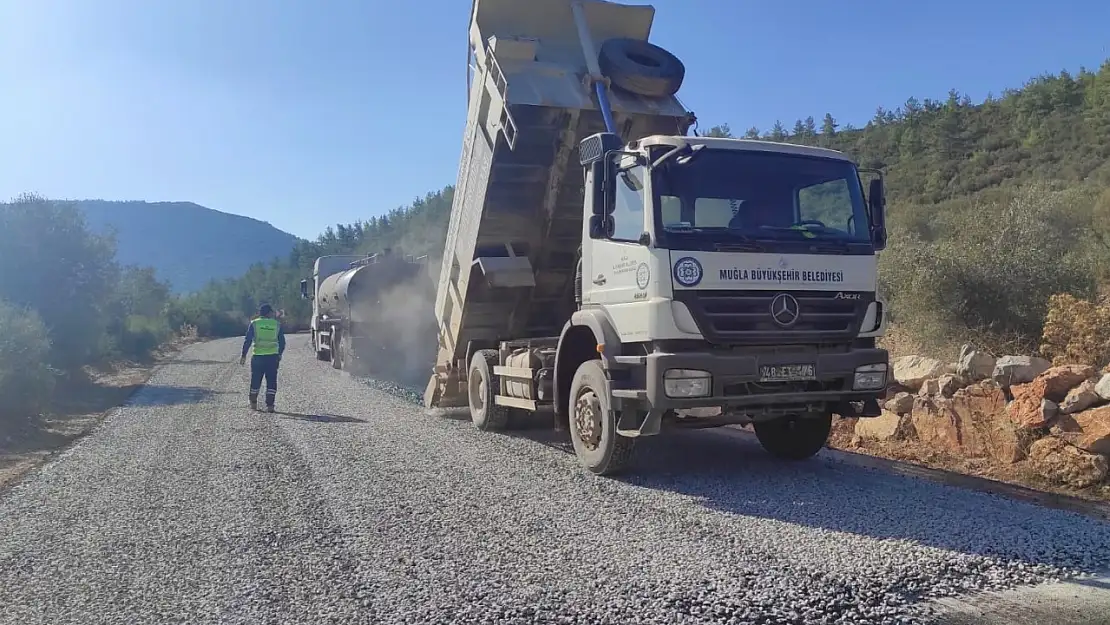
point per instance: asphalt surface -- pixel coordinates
(352, 505)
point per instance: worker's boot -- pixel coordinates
(254, 404)
(269, 407)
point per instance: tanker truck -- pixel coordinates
(361, 311)
(607, 269)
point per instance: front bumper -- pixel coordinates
(735, 381)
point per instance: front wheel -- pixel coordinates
(794, 437)
(593, 424)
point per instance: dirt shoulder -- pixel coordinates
(1021, 473)
(80, 402)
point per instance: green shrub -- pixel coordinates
(26, 381)
(991, 274)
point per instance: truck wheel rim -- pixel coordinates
(587, 419)
(477, 393)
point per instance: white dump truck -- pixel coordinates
(352, 298)
(605, 267)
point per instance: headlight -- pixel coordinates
(869, 377)
(687, 383)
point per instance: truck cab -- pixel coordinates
(730, 274)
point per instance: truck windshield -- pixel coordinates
(729, 196)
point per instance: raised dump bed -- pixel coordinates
(516, 220)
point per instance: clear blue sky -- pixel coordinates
(306, 114)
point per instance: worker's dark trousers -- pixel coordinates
(264, 367)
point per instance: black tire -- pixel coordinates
(641, 67)
(481, 386)
(607, 452)
(794, 437)
(336, 350)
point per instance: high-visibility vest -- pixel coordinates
(265, 336)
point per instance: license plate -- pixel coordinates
(787, 373)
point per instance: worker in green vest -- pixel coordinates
(268, 338)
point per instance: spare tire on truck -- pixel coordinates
(641, 67)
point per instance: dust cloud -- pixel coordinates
(404, 333)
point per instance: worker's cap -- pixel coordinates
(265, 309)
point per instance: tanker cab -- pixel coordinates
(621, 269)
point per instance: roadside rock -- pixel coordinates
(887, 426)
(1088, 430)
(1010, 370)
(1102, 387)
(1028, 412)
(974, 365)
(1060, 380)
(936, 423)
(900, 404)
(972, 423)
(1080, 398)
(984, 428)
(945, 386)
(912, 371)
(1066, 464)
(949, 383)
(1034, 404)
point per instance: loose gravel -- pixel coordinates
(355, 506)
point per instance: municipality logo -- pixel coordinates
(687, 271)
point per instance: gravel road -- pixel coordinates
(354, 506)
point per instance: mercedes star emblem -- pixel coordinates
(785, 309)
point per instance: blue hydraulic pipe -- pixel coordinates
(603, 104)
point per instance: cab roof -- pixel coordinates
(755, 145)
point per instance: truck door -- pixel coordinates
(619, 273)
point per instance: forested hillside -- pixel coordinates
(224, 306)
(995, 206)
(188, 245)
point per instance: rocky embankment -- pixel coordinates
(1053, 421)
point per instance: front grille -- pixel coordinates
(744, 317)
(777, 388)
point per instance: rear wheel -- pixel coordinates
(336, 349)
(593, 424)
(482, 385)
(794, 437)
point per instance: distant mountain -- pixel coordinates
(188, 245)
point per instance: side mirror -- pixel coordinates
(304, 289)
(602, 226)
(876, 200)
(876, 193)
